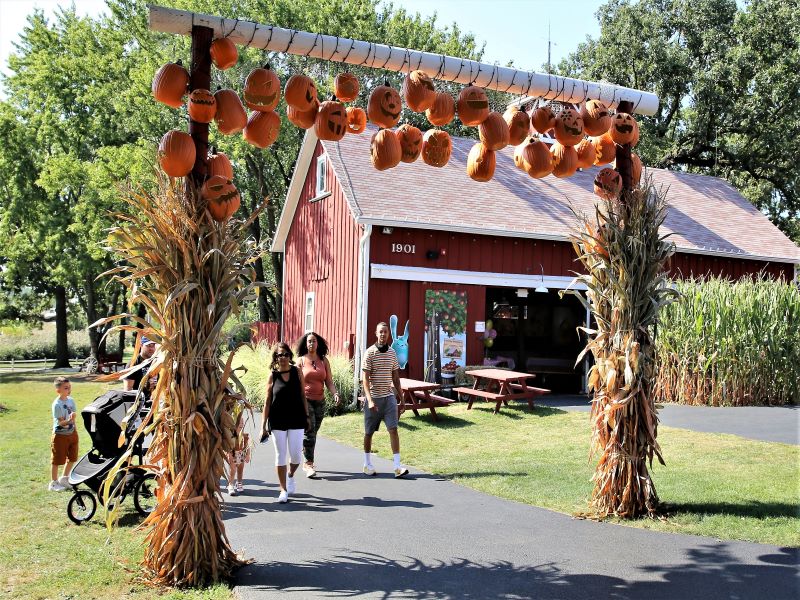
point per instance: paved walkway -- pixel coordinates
(346, 535)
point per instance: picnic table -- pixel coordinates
(500, 386)
(417, 395)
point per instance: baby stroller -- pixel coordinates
(103, 419)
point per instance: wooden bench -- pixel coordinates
(529, 388)
(107, 363)
(473, 393)
(440, 400)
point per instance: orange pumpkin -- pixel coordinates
(443, 109)
(565, 160)
(331, 121)
(473, 105)
(221, 196)
(262, 128)
(262, 89)
(346, 87)
(177, 153)
(170, 83)
(231, 116)
(219, 164)
(384, 106)
(604, 148)
(356, 119)
(568, 127)
(481, 162)
(224, 53)
(436, 147)
(410, 139)
(302, 119)
(596, 118)
(607, 184)
(202, 106)
(636, 169)
(543, 119)
(493, 132)
(624, 129)
(586, 153)
(385, 150)
(533, 157)
(519, 125)
(418, 91)
(301, 92)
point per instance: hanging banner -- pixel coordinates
(445, 334)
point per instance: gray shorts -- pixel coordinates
(387, 412)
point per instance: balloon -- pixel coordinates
(492, 333)
(489, 342)
(489, 324)
(485, 334)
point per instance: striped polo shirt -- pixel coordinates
(380, 366)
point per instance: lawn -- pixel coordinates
(714, 485)
(43, 554)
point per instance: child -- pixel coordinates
(64, 445)
(241, 453)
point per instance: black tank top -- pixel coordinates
(287, 411)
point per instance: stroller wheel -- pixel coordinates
(81, 506)
(144, 494)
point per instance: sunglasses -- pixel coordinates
(282, 354)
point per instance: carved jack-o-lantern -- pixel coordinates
(596, 118)
(301, 92)
(346, 87)
(604, 148)
(586, 153)
(481, 162)
(543, 119)
(624, 129)
(418, 91)
(219, 164)
(202, 106)
(410, 139)
(565, 160)
(533, 157)
(222, 197)
(304, 119)
(262, 128)
(176, 153)
(331, 122)
(436, 147)
(170, 83)
(385, 150)
(231, 116)
(473, 105)
(519, 125)
(568, 127)
(356, 119)
(493, 132)
(607, 183)
(384, 106)
(262, 89)
(223, 53)
(443, 109)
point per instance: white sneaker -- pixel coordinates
(370, 470)
(232, 488)
(64, 480)
(239, 486)
(290, 486)
(400, 472)
(55, 486)
(283, 497)
(308, 469)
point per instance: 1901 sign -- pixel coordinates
(404, 248)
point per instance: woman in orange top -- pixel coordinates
(312, 350)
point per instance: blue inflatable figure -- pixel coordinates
(399, 344)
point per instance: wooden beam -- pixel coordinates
(200, 77)
(623, 157)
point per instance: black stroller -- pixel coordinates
(103, 419)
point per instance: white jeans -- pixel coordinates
(293, 439)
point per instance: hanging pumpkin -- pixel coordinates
(418, 91)
(586, 153)
(481, 162)
(262, 128)
(262, 89)
(170, 83)
(221, 196)
(331, 121)
(473, 105)
(219, 164)
(533, 157)
(543, 119)
(436, 147)
(624, 129)
(596, 118)
(607, 184)
(176, 153)
(568, 127)
(565, 160)
(304, 119)
(604, 148)
(224, 53)
(231, 116)
(443, 109)
(384, 106)
(385, 150)
(346, 87)
(636, 169)
(202, 106)
(519, 125)
(410, 139)
(356, 120)
(493, 131)
(301, 92)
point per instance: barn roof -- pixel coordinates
(706, 215)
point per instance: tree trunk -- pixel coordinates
(91, 315)
(62, 349)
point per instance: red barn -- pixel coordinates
(437, 250)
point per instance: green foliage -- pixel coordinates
(28, 343)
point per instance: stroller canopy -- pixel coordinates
(103, 420)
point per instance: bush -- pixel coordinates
(37, 343)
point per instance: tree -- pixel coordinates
(727, 78)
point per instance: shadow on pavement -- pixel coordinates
(744, 509)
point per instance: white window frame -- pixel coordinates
(322, 175)
(309, 315)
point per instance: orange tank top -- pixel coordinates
(314, 375)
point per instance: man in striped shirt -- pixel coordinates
(380, 372)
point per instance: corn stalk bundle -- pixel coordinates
(624, 256)
(189, 271)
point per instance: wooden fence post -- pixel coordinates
(624, 154)
(200, 77)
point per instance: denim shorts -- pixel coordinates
(387, 412)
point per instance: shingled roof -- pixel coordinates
(706, 215)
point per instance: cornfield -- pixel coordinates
(730, 344)
(624, 256)
(188, 270)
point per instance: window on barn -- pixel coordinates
(309, 312)
(322, 175)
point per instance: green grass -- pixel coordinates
(43, 554)
(713, 485)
